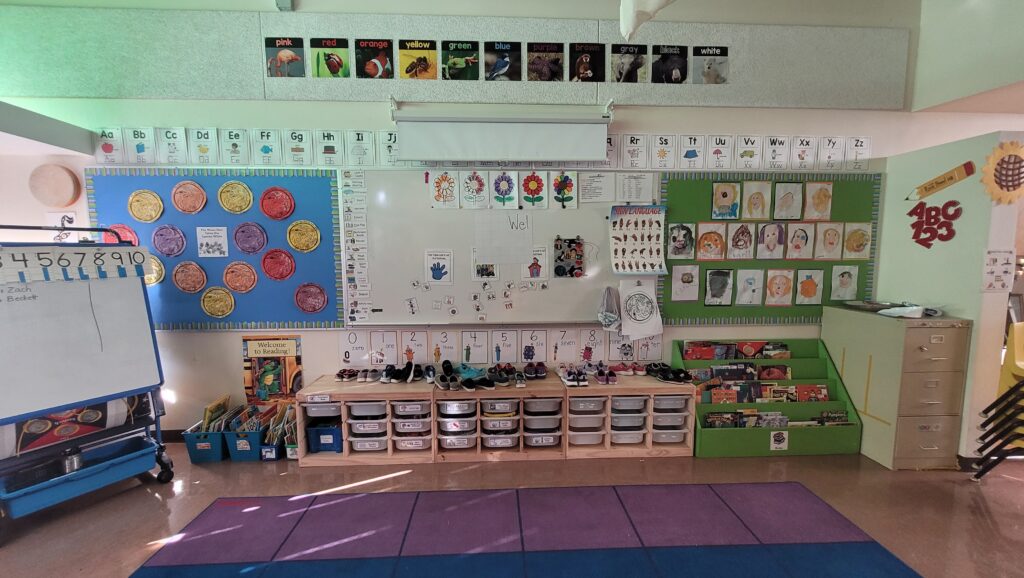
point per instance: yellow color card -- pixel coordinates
(417, 59)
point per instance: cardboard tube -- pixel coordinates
(950, 177)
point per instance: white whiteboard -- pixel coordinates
(62, 343)
(401, 224)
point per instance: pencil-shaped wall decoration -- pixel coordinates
(950, 177)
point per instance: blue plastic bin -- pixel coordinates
(244, 446)
(272, 453)
(324, 436)
(205, 446)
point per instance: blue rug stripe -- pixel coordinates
(248, 570)
(839, 560)
(753, 560)
(612, 563)
(490, 565)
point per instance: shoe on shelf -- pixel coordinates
(467, 384)
(638, 369)
(500, 378)
(612, 378)
(602, 377)
(441, 381)
(429, 373)
(373, 375)
(622, 369)
(416, 374)
(363, 376)
(446, 368)
(589, 368)
(403, 375)
(509, 369)
(601, 365)
(484, 383)
(530, 371)
(542, 370)
(388, 374)
(520, 379)
(581, 378)
(569, 378)
(469, 372)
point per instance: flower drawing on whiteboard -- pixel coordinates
(533, 187)
(504, 189)
(563, 187)
(473, 188)
(444, 188)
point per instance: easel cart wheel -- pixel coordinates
(6, 525)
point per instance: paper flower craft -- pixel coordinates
(533, 186)
(563, 187)
(504, 187)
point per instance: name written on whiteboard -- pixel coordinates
(13, 293)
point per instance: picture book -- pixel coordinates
(271, 367)
(774, 372)
(782, 393)
(812, 393)
(734, 371)
(701, 374)
(774, 350)
(214, 411)
(721, 419)
(750, 349)
(724, 395)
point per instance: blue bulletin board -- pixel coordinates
(270, 304)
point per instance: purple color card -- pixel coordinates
(691, 515)
(350, 526)
(463, 522)
(574, 518)
(234, 530)
(787, 513)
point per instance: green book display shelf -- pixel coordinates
(810, 364)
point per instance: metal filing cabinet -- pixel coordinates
(906, 378)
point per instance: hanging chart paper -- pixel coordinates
(636, 233)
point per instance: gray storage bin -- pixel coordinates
(457, 407)
(543, 440)
(367, 408)
(627, 437)
(411, 425)
(628, 403)
(368, 426)
(548, 422)
(499, 423)
(400, 408)
(670, 419)
(586, 404)
(369, 444)
(670, 403)
(500, 441)
(586, 439)
(456, 425)
(412, 443)
(669, 437)
(322, 409)
(628, 420)
(457, 442)
(499, 406)
(542, 405)
(585, 421)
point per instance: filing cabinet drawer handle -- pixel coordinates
(922, 348)
(931, 383)
(939, 359)
(932, 402)
(929, 448)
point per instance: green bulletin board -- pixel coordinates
(855, 199)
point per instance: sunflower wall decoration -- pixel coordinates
(1003, 173)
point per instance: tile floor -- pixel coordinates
(939, 523)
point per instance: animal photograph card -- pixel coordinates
(757, 200)
(800, 241)
(285, 57)
(844, 282)
(809, 285)
(503, 61)
(417, 59)
(819, 201)
(828, 246)
(681, 240)
(374, 59)
(329, 57)
(741, 241)
(545, 61)
(587, 61)
(711, 241)
(749, 286)
(857, 243)
(668, 64)
(629, 63)
(460, 60)
(718, 291)
(725, 204)
(779, 289)
(789, 201)
(685, 282)
(710, 65)
(771, 241)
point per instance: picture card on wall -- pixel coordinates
(829, 243)
(593, 345)
(649, 348)
(741, 241)
(710, 64)
(545, 61)
(383, 347)
(629, 63)
(719, 287)
(803, 153)
(360, 148)
(711, 241)
(203, 145)
(844, 282)
(725, 202)
(634, 187)
(503, 61)
(776, 153)
(635, 232)
(800, 241)
(779, 290)
(789, 201)
(663, 151)
(819, 201)
(286, 57)
(669, 64)
(329, 57)
(417, 59)
(444, 345)
(809, 285)
(537, 268)
(460, 60)
(749, 286)
(641, 316)
(534, 189)
(748, 152)
(473, 188)
(596, 187)
(483, 271)
(564, 345)
(757, 200)
(771, 241)
(587, 62)
(474, 347)
(387, 149)
(374, 58)
(234, 146)
(110, 146)
(620, 347)
(443, 189)
(681, 240)
(355, 348)
(831, 153)
(504, 189)
(685, 282)
(692, 150)
(505, 346)
(720, 149)
(438, 266)
(857, 243)
(633, 151)
(564, 187)
(534, 344)
(414, 347)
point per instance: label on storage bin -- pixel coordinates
(778, 441)
(410, 408)
(502, 407)
(501, 442)
(365, 445)
(319, 398)
(503, 424)
(269, 453)
(204, 446)
(546, 439)
(242, 445)
(459, 442)
(408, 426)
(326, 439)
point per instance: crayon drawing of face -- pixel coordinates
(786, 203)
(742, 238)
(770, 235)
(779, 286)
(857, 241)
(845, 279)
(718, 283)
(725, 198)
(755, 204)
(821, 200)
(711, 245)
(831, 239)
(798, 240)
(682, 239)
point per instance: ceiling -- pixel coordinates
(1005, 99)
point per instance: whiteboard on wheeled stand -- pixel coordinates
(68, 342)
(402, 225)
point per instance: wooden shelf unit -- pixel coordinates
(327, 390)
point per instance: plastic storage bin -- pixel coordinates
(205, 447)
(244, 446)
(324, 435)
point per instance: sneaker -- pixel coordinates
(638, 369)
(602, 366)
(542, 370)
(530, 371)
(468, 384)
(416, 374)
(612, 378)
(500, 378)
(388, 373)
(509, 369)
(602, 377)
(621, 369)
(374, 375)
(484, 383)
(469, 372)
(363, 376)
(581, 378)
(520, 379)
(589, 368)
(429, 373)
(446, 368)
(403, 375)
(569, 378)
(441, 381)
